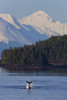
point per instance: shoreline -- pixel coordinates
(25, 67)
(33, 67)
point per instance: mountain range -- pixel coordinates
(28, 30)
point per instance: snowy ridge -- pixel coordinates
(10, 19)
(44, 24)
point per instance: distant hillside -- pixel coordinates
(51, 51)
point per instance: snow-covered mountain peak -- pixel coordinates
(35, 18)
(44, 24)
(39, 20)
(40, 13)
(12, 20)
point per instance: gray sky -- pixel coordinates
(57, 9)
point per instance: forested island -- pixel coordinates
(48, 53)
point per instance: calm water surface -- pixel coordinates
(45, 87)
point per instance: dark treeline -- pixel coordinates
(51, 51)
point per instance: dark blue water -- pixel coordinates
(13, 86)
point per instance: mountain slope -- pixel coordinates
(9, 33)
(10, 36)
(44, 24)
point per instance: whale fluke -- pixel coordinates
(29, 84)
